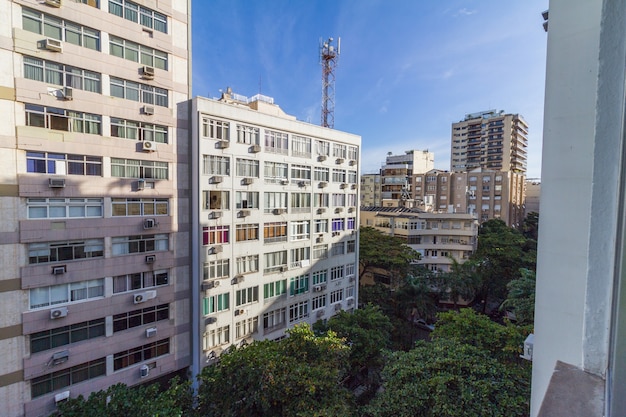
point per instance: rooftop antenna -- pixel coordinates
(329, 56)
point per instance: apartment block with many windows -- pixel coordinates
(95, 271)
(276, 239)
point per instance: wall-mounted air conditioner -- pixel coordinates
(216, 214)
(150, 223)
(151, 332)
(284, 182)
(319, 239)
(56, 182)
(284, 269)
(147, 73)
(301, 184)
(207, 285)
(323, 184)
(321, 158)
(52, 45)
(142, 297)
(317, 288)
(217, 179)
(337, 307)
(350, 301)
(150, 259)
(68, 93)
(53, 3)
(255, 148)
(57, 313)
(352, 162)
(340, 161)
(58, 270)
(60, 357)
(247, 181)
(148, 110)
(148, 146)
(279, 211)
(144, 371)
(353, 186)
(237, 279)
(244, 213)
(141, 184)
(319, 314)
(223, 144)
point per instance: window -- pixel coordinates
(275, 172)
(320, 252)
(66, 293)
(138, 14)
(298, 311)
(274, 201)
(339, 175)
(219, 268)
(339, 200)
(350, 292)
(275, 232)
(336, 296)
(65, 251)
(275, 289)
(351, 223)
(62, 336)
(129, 357)
(321, 225)
(142, 93)
(351, 200)
(246, 232)
(130, 129)
(350, 268)
(300, 230)
(215, 129)
(336, 273)
(60, 29)
(216, 200)
(247, 199)
(246, 296)
(62, 75)
(300, 174)
(215, 165)
(339, 151)
(246, 264)
(353, 153)
(337, 249)
(248, 135)
(301, 146)
(318, 302)
(135, 52)
(337, 225)
(352, 177)
(63, 119)
(133, 168)
(246, 327)
(247, 168)
(319, 277)
(140, 317)
(300, 257)
(276, 142)
(57, 380)
(321, 174)
(299, 285)
(351, 246)
(64, 208)
(300, 202)
(139, 280)
(139, 244)
(275, 261)
(321, 199)
(215, 235)
(322, 148)
(139, 206)
(215, 303)
(274, 319)
(216, 337)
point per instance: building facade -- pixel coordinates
(491, 140)
(275, 243)
(398, 171)
(95, 273)
(371, 190)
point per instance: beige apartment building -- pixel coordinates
(95, 272)
(490, 140)
(371, 190)
(436, 236)
(276, 217)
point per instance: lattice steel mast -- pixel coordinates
(329, 57)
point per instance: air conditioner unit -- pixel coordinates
(148, 145)
(152, 331)
(247, 181)
(56, 182)
(343, 186)
(279, 211)
(207, 285)
(284, 182)
(319, 239)
(60, 357)
(61, 396)
(317, 288)
(319, 314)
(210, 320)
(237, 279)
(351, 278)
(352, 162)
(144, 371)
(217, 249)
(57, 313)
(340, 161)
(147, 73)
(321, 210)
(148, 110)
(149, 223)
(240, 312)
(244, 213)
(301, 184)
(141, 184)
(351, 209)
(338, 209)
(53, 3)
(216, 214)
(68, 93)
(150, 259)
(338, 307)
(217, 179)
(321, 158)
(52, 45)
(58, 270)
(255, 148)
(223, 144)
(323, 184)
(350, 301)
(142, 297)
(353, 186)
(284, 269)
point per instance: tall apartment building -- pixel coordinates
(371, 190)
(95, 273)
(490, 140)
(276, 218)
(398, 170)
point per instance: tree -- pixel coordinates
(298, 376)
(521, 297)
(530, 226)
(461, 282)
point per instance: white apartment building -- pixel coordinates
(93, 187)
(275, 222)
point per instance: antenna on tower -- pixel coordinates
(329, 56)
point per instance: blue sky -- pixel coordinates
(407, 69)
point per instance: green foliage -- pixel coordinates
(461, 282)
(121, 401)
(521, 297)
(530, 226)
(444, 378)
(297, 376)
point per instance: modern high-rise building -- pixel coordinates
(275, 229)
(490, 140)
(371, 190)
(95, 272)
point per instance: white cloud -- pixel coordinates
(465, 12)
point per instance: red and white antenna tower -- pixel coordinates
(329, 56)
